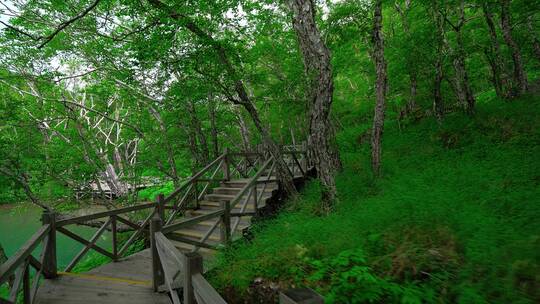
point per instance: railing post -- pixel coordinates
(160, 202)
(157, 272)
(225, 166)
(304, 159)
(26, 285)
(193, 264)
(49, 261)
(255, 202)
(226, 222)
(114, 238)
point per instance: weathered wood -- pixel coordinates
(92, 242)
(206, 293)
(50, 262)
(84, 218)
(160, 202)
(191, 221)
(182, 239)
(17, 282)
(26, 285)
(300, 296)
(84, 242)
(114, 237)
(157, 272)
(192, 264)
(19, 257)
(226, 222)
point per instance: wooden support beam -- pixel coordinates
(157, 272)
(193, 264)
(226, 222)
(50, 260)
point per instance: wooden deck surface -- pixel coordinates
(126, 281)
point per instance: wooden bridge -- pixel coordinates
(210, 210)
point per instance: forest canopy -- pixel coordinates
(420, 119)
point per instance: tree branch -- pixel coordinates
(65, 24)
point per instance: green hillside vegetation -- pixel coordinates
(454, 219)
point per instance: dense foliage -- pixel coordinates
(452, 220)
(134, 93)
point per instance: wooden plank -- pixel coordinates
(191, 221)
(85, 218)
(206, 292)
(17, 282)
(178, 238)
(7, 269)
(85, 289)
(84, 242)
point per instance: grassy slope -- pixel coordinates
(454, 218)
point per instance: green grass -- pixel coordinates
(454, 218)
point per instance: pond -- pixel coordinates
(19, 222)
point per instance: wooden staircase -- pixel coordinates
(211, 208)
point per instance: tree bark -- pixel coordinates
(197, 128)
(494, 55)
(380, 89)
(438, 102)
(520, 77)
(321, 140)
(463, 87)
(213, 127)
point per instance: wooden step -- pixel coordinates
(196, 235)
(214, 197)
(234, 190)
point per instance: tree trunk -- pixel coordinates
(213, 128)
(463, 87)
(321, 141)
(380, 89)
(282, 169)
(244, 131)
(168, 148)
(411, 64)
(438, 103)
(197, 128)
(520, 77)
(494, 57)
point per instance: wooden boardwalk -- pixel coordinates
(211, 209)
(127, 281)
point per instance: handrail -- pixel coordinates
(89, 217)
(7, 269)
(250, 183)
(193, 178)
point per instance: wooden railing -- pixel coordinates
(257, 167)
(176, 270)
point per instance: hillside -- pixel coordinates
(453, 219)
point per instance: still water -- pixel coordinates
(19, 222)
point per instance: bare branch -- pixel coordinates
(65, 24)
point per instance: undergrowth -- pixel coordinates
(454, 218)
